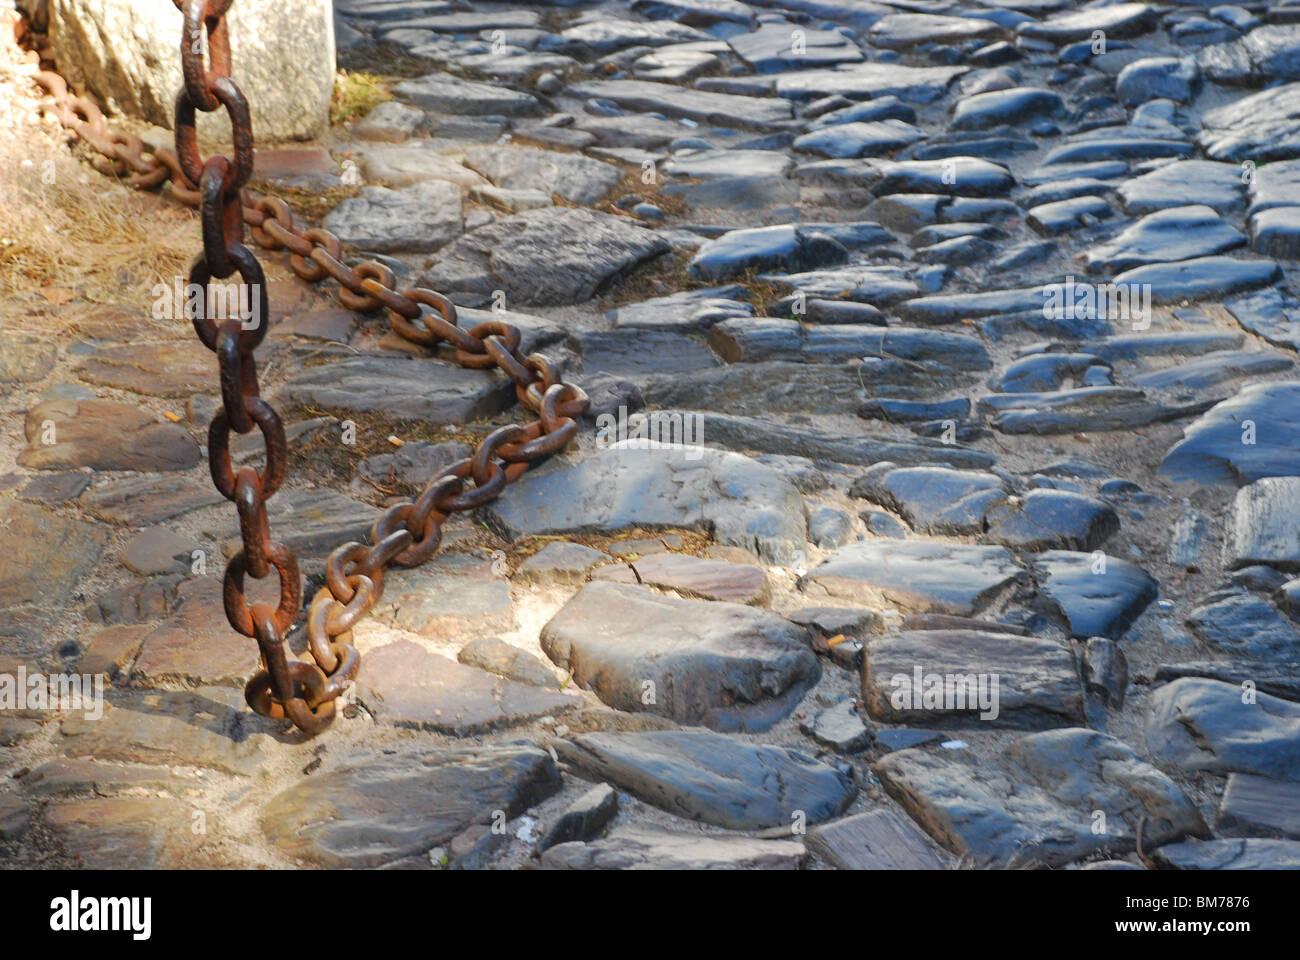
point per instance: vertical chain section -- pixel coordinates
(407, 533)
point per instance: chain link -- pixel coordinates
(407, 533)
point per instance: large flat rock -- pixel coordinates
(722, 109)
(407, 686)
(978, 677)
(634, 483)
(544, 257)
(645, 848)
(1253, 435)
(914, 575)
(1200, 724)
(722, 665)
(105, 435)
(719, 780)
(43, 554)
(400, 387)
(1035, 802)
(375, 810)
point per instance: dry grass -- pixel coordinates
(69, 233)
(356, 94)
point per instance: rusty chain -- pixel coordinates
(407, 533)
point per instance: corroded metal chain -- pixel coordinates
(407, 533)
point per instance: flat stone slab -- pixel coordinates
(717, 779)
(419, 218)
(1173, 234)
(722, 109)
(1048, 519)
(445, 93)
(901, 31)
(134, 833)
(402, 388)
(721, 665)
(646, 848)
(1120, 20)
(408, 164)
(27, 358)
(202, 727)
(170, 369)
(1215, 185)
(105, 435)
(142, 500)
(1260, 127)
(1253, 854)
(544, 257)
(869, 81)
(1035, 802)
(194, 647)
(769, 49)
(1247, 625)
(975, 677)
(875, 840)
(1266, 525)
(311, 523)
(379, 809)
(576, 178)
(1253, 435)
(1259, 807)
(703, 578)
(44, 555)
(916, 576)
(1099, 595)
(933, 499)
(1199, 724)
(639, 483)
(561, 562)
(406, 685)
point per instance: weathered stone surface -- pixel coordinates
(716, 779)
(1215, 185)
(1265, 526)
(202, 727)
(635, 483)
(642, 848)
(1099, 596)
(400, 387)
(1119, 20)
(25, 358)
(786, 247)
(405, 685)
(148, 499)
(1259, 127)
(933, 499)
(840, 727)
(753, 113)
(1034, 803)
(104, 435)
(379, 809)
(1259, 807)
(133, 833)
(544, 257)
(421, 217)
(190, 648)
(576, 178)
(44, 554)
(1264, 55)
(915, 575)
(506, 660)
(721, 665)
(158, 550)
(703, 578)
(1177, 233)
(413, 463)
(1255, 854)
(125, 53)
(1037, 683)
(1255, 434)
(769, 49)
(561, 562)
(869, 81)
(1052, 519)
(900, 31)
(876, 840)
(1198, 724)
(445, 93)
(584, 819)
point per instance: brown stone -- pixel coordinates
(43, 555)
(111, 651)
(105, 435)
(172, 369)
(196, 644)
(708, 579)
(876, 840)
(406, 685)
